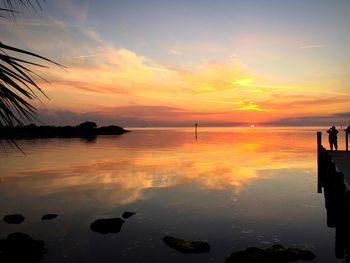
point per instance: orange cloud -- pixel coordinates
(251, 107)
(244, 82)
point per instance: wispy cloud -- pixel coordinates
(90, 55)
(251, 83)
(312, 46)
(176, 51)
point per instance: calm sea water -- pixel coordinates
(235, 188)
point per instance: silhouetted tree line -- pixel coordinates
(84, 129)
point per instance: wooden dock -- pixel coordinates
(334, 181)
(341, 160)
(338, 160)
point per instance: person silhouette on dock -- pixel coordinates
(332, 137)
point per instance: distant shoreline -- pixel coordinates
(85, 129)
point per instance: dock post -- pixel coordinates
(347, 141)
(319, 147)
(319, 142)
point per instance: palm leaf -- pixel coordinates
(17, 79)
(13, 7)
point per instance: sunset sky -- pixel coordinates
(174, 63)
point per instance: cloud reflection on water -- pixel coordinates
(118, 172)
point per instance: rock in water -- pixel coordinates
(127, 214)
(14, 219)
(275, 254)
(49, 216)
(250, 255)
(19, 247)
(108, 225)
(186, 246)
(290, 254)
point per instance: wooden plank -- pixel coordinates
(342, 161)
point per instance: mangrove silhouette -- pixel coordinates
(86, 129)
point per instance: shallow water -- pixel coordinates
(234, 187)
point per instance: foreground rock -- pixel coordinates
(186, 246)
(14, 219)
(127, 214)
(19, 247)
(49, 216)
(275, 254)
(108, 225)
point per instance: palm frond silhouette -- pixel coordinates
(18, 83)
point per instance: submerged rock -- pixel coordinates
(275, 254)
(186, 246)
(128, 214)
(19, 247)
(49, 216)
(108, 225)
(291, 254)
(14, 219)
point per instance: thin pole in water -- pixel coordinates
(195, 130)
